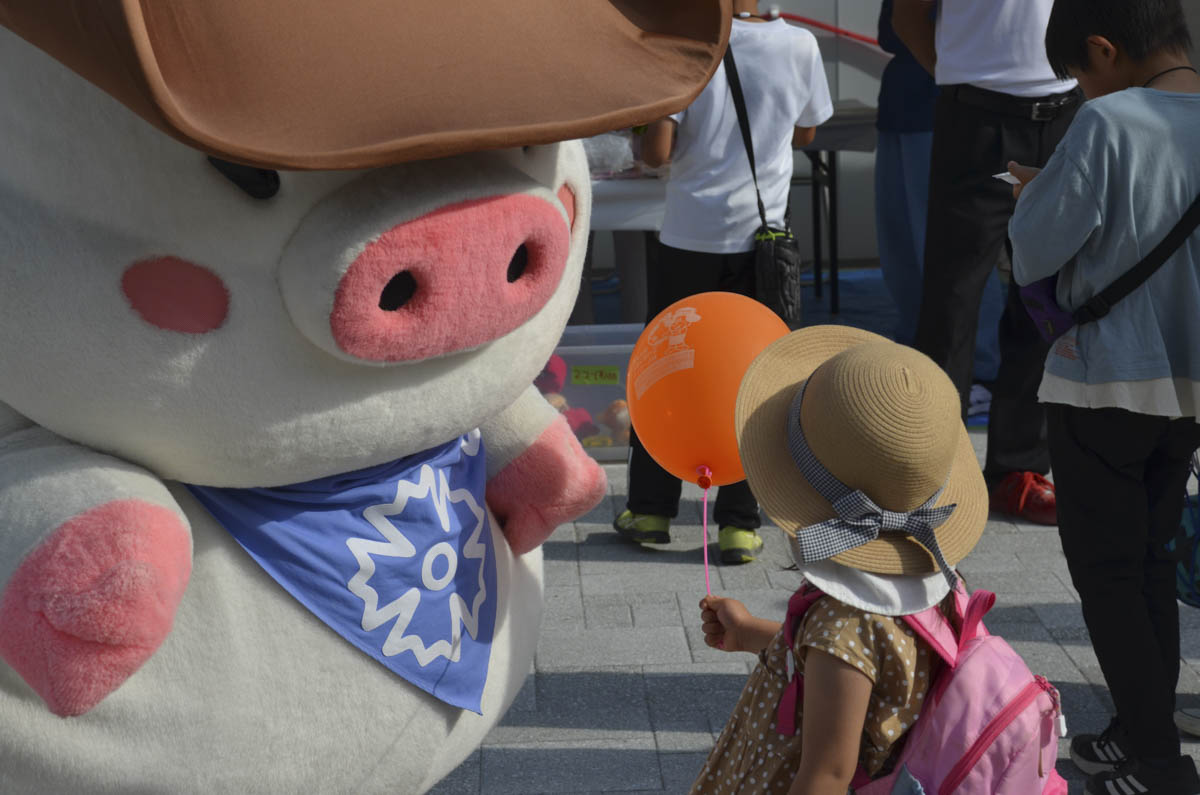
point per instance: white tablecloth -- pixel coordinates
(628, 204)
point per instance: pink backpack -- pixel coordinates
(989, 726)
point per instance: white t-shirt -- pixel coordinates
(999, 45)
(710, 196)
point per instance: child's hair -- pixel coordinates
(1139, 27)
(947, 605)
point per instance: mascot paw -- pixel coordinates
(90, 604)
(552, 482)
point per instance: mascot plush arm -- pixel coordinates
(94, 558)
(538, 474)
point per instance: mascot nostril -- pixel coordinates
(397, 292)
(518, 264)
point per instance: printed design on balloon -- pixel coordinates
(668, 352)
(683, 381)
(436, 488)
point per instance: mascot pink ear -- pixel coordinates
(176, 295)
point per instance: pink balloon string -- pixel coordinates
(705, 481)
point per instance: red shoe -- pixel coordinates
(1026, 495)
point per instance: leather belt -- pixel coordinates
(1044, 108)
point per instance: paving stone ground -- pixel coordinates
(625, 697)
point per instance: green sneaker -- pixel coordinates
(738, 545)
(643, 528)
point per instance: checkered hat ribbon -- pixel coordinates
(859, 520)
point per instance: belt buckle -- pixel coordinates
(1045, 111)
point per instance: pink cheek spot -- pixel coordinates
(567, 197)
(176, 295)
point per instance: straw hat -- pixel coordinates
(362, 83)
(880, 417)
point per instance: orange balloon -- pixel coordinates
(683, 381)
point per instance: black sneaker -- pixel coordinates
(1176, 778)
(1100, 753)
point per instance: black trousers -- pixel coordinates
(672, 274)
(1121, 479)
(975, 134)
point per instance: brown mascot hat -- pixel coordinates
(362, 83)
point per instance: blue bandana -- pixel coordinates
(396, 558)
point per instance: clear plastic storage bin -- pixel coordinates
(585, 380)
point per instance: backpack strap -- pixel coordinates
(933, 628)
(798, 606)
(1099, 304)
(739, 105)
(785, 713)
(972, 626)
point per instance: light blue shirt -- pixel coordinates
(1120, 180)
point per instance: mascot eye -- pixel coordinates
(260, 183)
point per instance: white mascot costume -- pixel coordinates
(275, 281)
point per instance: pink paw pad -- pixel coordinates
(552, 482)
(91, 604)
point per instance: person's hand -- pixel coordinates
(726, 624)
(1023, 173)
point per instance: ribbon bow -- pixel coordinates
(859, 520)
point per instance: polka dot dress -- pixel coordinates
(751, 756)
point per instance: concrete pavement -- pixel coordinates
(625, 697)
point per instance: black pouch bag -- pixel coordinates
(1052, 321)
(777, 272)
(776, 253)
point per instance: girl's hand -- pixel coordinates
(724, 622)
(1023, 173)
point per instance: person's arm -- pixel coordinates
(813, 88)
(803, 136)
(836, 696)
(1055, 216)
(729, 626)
(658, 142)
(915, 26)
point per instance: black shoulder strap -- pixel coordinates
(1100, 304)
(739, 104)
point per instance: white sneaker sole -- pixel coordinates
(1188, 720)
(1092, 768)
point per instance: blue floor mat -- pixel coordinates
(864, 302)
